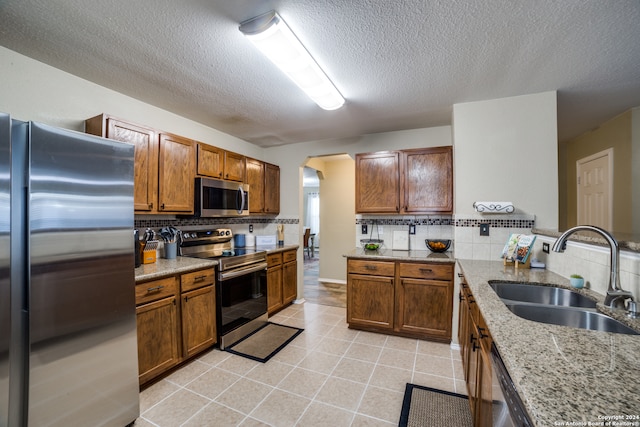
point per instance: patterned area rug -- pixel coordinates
(265, 342)
(424, 406)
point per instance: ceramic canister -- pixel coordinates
(239, 241)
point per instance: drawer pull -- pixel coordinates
(426, 270)
(155, 289)
(481, 332)
(460, 275)
(199, 278)
(370, 267)
(471, 300)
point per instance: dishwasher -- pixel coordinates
(508, 408)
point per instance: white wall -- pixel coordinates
(31, 90)
(506, 150)
(337, 207)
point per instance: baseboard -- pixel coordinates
(340, 282)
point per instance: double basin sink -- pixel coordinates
(557, 306)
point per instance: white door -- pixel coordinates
(595, 193)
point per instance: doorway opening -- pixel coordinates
(327, 215)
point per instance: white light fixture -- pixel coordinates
(269, 33)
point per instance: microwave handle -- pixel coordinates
(240, 193)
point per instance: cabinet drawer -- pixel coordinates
(376, 268)
(197, 279)
(274, 259)
(289, 256)
(157, 289)
(426, 271)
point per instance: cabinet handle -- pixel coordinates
(162, 206)
(426, 270)
(460, 297)
(481, 332)
(150, 205)
(460, 275)
(155, 289)
(370, 267)
(186, 298)
(471, 301)
(474, 347)
(199, 278)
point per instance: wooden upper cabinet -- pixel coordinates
(428, 180)
(234, 165)
(271, 189)
(210, 161)
(408, 181)
(176, 174)
(146, 155)
(255, 178)
(378, 182)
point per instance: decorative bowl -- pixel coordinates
(371, 244)
(438, 245)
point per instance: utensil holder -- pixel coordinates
(170, 250)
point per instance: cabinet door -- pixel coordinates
(255, 178)
(428, 180)
(198, 320)
(370, 301)
(378, 182)
(271, 189)
(425, 307)
(274, 289)
(145, 162)
(289, 281)
(484, 395)
(176, 174)
(210, 161)
(157, 337)
(233, 166)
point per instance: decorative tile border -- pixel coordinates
(521, 221)
(192, 222)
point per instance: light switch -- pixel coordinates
(484, 229)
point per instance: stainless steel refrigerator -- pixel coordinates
(68, 343)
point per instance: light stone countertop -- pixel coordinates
(391, 255)
(563, 375)
(168, 267)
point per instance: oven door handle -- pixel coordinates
(241, 272)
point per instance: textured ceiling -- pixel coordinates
(399, 64)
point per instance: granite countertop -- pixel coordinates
(167, 267)
(391, 255)
(563, 375)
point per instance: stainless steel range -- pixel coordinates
(241, 282)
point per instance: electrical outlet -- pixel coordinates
(250, 228)
(363, 228)
(412, 229)
(484, 229)
(380, 229)
(545, 248)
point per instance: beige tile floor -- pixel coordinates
(328, 376)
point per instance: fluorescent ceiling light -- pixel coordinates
(269, 33)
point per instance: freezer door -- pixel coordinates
(83, 363)
(5, 314)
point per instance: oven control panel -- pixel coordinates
(216, 235)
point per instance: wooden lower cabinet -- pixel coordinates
(158, 348)
(475, 343)
(282, 279)
(408, 299)
(175, 320)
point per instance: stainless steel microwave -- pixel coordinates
(216, 198)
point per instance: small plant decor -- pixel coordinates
(577, 281)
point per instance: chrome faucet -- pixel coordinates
(616, 296)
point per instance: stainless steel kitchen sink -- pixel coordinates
(569, 316)
(541, 294)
